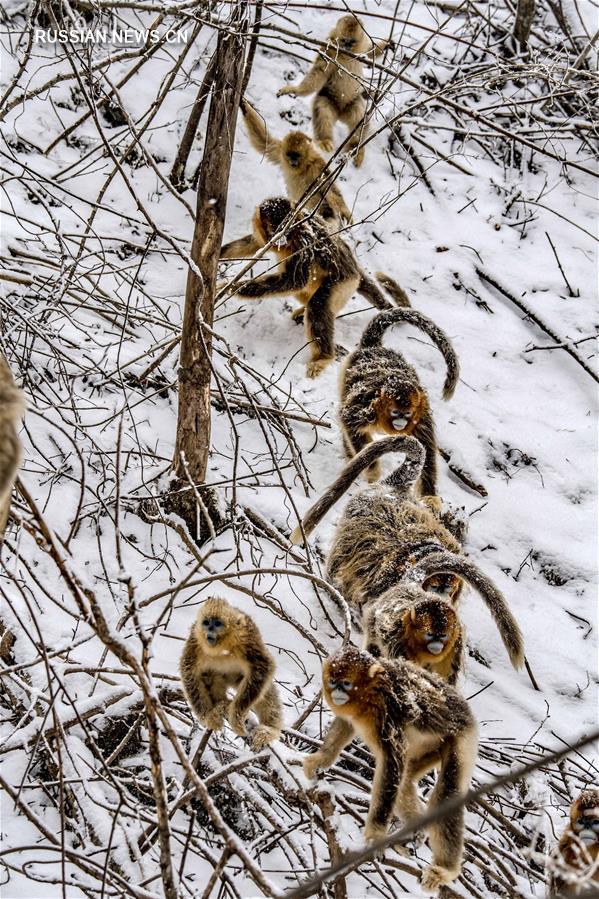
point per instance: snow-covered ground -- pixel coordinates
(522, 423)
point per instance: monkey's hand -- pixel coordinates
(435, 876)
(311, 765)
(214, 718)
(237, 720)
(263, 735)
(316, 366)
(288, 89)
(374, 832)
(327, 146)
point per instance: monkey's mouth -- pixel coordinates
(435, 647)
(212, 639)
(399, 421)
(339, 697)
(588, 837)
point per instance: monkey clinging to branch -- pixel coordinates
(337, 79)
(316, 267)
(301, 165)
(575, 863)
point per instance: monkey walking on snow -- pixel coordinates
(387, 537)
(411, 721)
(302, 166)
(337, 80)
(316, 267)
(382, 394)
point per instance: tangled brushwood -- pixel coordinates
(298, 612)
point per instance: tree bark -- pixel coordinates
(525, 13)
(193, 424)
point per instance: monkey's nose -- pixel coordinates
(435, 646)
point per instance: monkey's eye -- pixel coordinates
(347, 685)
(430, 636)
(217, 623)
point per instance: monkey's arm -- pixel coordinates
(312, 81)
(251, 688)
(241, 248)
(379, 47)
(258, 134)
(387, 776)
(292, 277)
(339, 734)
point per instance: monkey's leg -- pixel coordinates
(446, 838)
(352, 116)
(270, 714)
(303, 298)
(244, 247)
(324, 116)
(319, 320)
(425, 433)
(251, 688)
(387, 778)
(338, 736)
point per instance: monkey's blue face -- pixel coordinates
(399, 419)
(340, 691)
(213, 629)
(435, 643)
(587, 829)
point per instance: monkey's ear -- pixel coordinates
(375, 668)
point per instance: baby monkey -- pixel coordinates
(575, 863)
(381, 392)
(302, 166)
(411, 721)
(11, 410)
(225, 650)
(336, 77)
(316, 267)
(423, 625)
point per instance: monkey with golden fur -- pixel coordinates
(387, 537)
(575, 862)
(11, 409)
(302, 166)
(411, 721)
(336, 77)
(225, 650)
(382, 394)
(316, 267)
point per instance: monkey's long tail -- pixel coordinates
(374, 331)
(448, 563)
(368, 289)
(407, 473)
(398, 294)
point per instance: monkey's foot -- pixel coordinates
(317, 366)
(298, 314)
(435, 876)
(263, 735)
(311, 765)
(215, 718)
(327, 146)
(288, 89)
(435, 503)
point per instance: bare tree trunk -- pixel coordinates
(177, 175)
(193, 425)
(525, 13)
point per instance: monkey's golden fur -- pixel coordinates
(411, 721)
(387, 538)
(336, 77)
(316, 267)
(11, 409)
(238, 659)
(380, 392)
(302, 165)
(575, 862)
